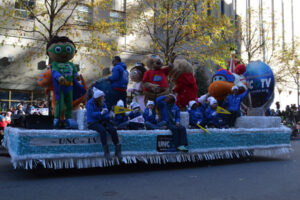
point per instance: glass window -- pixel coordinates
(20, 96)
(4, 95)
(83, 15)
(118, 5)
(21, 8)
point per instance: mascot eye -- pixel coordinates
(57, 50)
(69, 49)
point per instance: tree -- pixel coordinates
(288, 65)
(192, 28)
(48, 18)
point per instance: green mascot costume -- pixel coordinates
(64, 73)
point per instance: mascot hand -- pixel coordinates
(156, 88)
(61, 80)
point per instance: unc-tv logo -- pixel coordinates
(261, 82)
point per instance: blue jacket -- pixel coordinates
(212, 117)
(119, 77)
(233, 102)
(120, 118)
(203, 108)
(94, 112)
(133, 115)
(150, 118)
(167, 111)
(196, 115)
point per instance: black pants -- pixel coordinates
(232, 117)
(102, 129)
(179, 135)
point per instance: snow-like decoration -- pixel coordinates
(82, 148)
(258, 122)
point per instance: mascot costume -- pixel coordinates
(136, 75)
(185, 83)
(62, 77)
(155, 79)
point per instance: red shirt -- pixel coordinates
(158, 77)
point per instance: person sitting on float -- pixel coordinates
(98, 120)
(150, 117)
(134, 114)
(170, 113)
(203, 102)
(213, 119)
(233, 104)
(196, 115)
(121, 119)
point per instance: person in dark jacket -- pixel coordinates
(170, 113)
(121, 119)
(119, 81)
(233, 104)
(196, 115)
(213, 119)
(98, 120)
(150, 117)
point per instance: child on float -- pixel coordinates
(98, 120)
(121, 119)
(233, 104)
(150, 117)
(196, 115)
(203, 102)
(133, 115)
(170, 113)
(213, 119)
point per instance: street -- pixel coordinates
(257, 178)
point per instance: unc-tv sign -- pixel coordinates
(260, 79)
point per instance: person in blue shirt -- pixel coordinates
(170, 113)
(98, 120)
(119, 81)
(213, 119)
(121, 119)
(150, 117)
(203, 102)
(196, 115)
(136, 112)
(233, 104)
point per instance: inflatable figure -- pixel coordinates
(155, 79)
(136, 75)
(185, 83)
(261, 81)
(62, 77)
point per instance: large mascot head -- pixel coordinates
(154, 62)
(221, 85)
(61, 49)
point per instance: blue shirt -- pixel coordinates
(212, 117)
(196, 116)
(94, 112)
(150, 118)
(120, 118)
(169, 112)
(119, 77)
(133, 115)
(233, 101)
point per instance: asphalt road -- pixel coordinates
(258, 178)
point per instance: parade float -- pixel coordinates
(81, 148)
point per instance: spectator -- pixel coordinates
(233, 104)
(19, 110)
(119, 81)
(150, 117)
(170, 113)
(98, 120)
